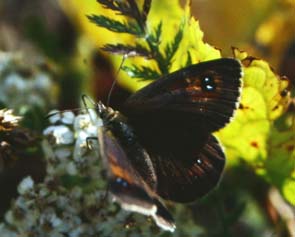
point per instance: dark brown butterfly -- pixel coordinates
(161, 146)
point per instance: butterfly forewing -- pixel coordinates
(206, 93)
(174, 118)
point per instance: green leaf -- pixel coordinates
(172, 47)
(252, 136)
(143, 72)
(154, 37)
(189, 59)
(114, 25)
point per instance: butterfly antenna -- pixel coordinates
(114, 82)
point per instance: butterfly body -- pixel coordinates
(162, 146)
(131, 176)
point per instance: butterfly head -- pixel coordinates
(106, 113)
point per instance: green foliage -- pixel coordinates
(129, 8)
(136, 18)
(147, 41)
(116, 26)
(142, 72)
(172, 47)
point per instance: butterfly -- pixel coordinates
(160, 145)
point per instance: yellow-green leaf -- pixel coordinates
(264, 98)
(252, 136)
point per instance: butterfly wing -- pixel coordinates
(126, 184)
(206, 92)
(174, 117)
(184, 179)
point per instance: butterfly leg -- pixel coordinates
(88, 142)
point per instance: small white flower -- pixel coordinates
(71, 168)
(54, 116)
(8, 117)
(62, 134)
(82, 121)
(68, 117)
(77, 231)
(92, 130)
(82, 137)
(9, 218)
(24, 203)
(62, 201)
(15, 82)
(43, 192)
(26, 185)
(80, 148)
(42, 82)
(76, 193)
(62, 153)
(49, 216)
(55, 221)
(4, 230)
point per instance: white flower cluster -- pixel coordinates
(7, 116)
(48, 209)
(22, 85)
(71, 201)
(70, 139)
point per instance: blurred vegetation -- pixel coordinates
(51, 53)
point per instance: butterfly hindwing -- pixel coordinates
(184, 179)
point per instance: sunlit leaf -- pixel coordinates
(252, 136)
